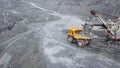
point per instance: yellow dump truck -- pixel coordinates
(76, 35)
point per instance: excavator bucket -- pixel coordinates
(93, 12)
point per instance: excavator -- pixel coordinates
(79, 35)
(111, 28)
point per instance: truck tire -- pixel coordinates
(81, 43)
(70, 39)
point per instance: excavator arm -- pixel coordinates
(102, 22)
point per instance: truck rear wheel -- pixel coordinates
(70, 39)
(81, 43)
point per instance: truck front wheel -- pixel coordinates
(70, 39)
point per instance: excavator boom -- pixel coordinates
(101, 20)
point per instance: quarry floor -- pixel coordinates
(45, 45)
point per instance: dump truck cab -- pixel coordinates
(76, 35)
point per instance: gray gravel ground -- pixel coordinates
(44, 45)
